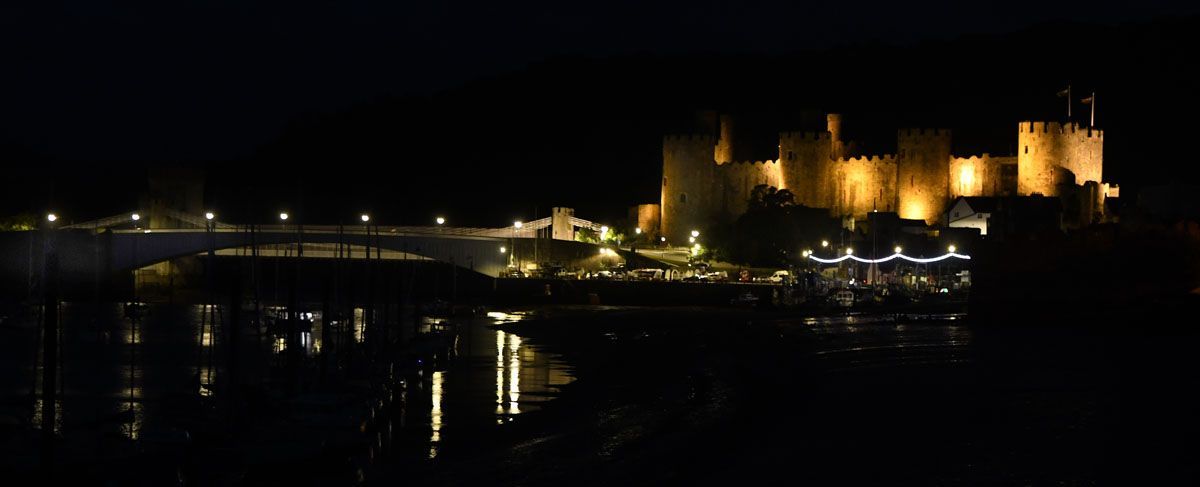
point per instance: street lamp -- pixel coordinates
(503, 249)
(824, 243)
(897, 249)
(440, 220)
(365, 218)
(691, 239)
(209, 215)
(952, 248)
(51, 217)
(849, 251)
(136, 217)
(517, 224)
(695, 233)
(283, 216)
(637, 230)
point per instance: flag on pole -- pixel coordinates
(1067, 94)
(1091, 101)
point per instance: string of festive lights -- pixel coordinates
(890, 257)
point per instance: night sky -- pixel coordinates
(93, 93)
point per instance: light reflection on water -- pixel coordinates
(435, 413)
(496, 377)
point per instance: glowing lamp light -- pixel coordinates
(440, 220)
(518, 224)
(897, 249)
(951, 249)
(209, 216)
(503, 249)
(283, 216)
(849, 251)
(638, 230)
(890, 257)
(691, 239)
(662, 239)
(136, 217)
(51, 217)
(695, 233)
(824, 243)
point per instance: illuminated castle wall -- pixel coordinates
(702, 183)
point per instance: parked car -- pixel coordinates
(648, 275)
(780, 277)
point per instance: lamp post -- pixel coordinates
(516, 226)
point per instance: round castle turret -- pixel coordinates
(922, 173)
(687, 185)
(1045, 149)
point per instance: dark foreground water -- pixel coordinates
(646, 396)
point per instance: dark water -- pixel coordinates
(133, 388)
(645, 396)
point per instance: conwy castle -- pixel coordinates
(702, 183)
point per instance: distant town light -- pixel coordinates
(283, 216)
(365, 218)
(136, 217)
(952, 248)
(440, 220)
(849, 251)
(695, 233)
(897, 249)
(824, 243)
(51, 217)
(209, 215)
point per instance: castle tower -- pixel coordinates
(806, 163)
(833, 124)
(922, 173)
(723, 153)
(688, 190)
(1044, 149)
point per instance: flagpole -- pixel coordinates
(1092, 122)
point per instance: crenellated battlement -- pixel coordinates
(690, 139)
(798, 136)
(748, 163)
(1033, 128)
(923, 133)
(872, 159)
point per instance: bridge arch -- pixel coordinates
(130, 250)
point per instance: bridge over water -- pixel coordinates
(120, 244)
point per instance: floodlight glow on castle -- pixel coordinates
(896, 255)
